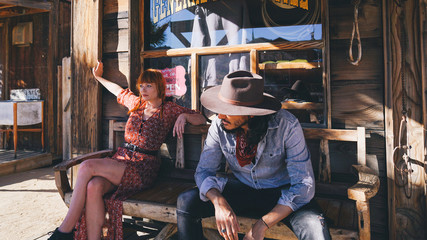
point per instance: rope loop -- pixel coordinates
(356, 33)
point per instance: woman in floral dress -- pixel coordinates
(102, 184)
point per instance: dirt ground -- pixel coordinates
(30, 205)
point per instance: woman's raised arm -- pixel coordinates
(110, 86)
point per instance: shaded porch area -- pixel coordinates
(25, 160)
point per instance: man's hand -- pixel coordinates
(226, 219)
(257, 232)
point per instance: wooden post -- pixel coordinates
(86, 93)
(15, 126)
(134, 42)
(66, 109)
(407, 212)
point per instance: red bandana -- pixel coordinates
(245, 153)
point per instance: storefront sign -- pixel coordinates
(161, 9)
(291, 3)
(175, 81)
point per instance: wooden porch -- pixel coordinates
(25, 160)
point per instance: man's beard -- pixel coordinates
(234, 130)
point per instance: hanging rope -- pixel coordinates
(356, 33)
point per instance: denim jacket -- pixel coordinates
(282, 160)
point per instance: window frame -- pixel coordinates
(253, 49)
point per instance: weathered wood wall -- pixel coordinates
(86, 95)
(357, 95)
(120, 55)
(407, 196)
(34, 66)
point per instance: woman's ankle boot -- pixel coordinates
(58, 235)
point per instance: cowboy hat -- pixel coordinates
(241, 93)
(298, 92)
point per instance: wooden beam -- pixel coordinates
(86, 92)
(52, 78)
(19, 11)
(406, 187)
(38, 4)
(3, 6)
(134, 42)
(232, 49)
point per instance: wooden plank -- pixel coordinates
(326, 56)
(195, 81)
(343, 17)
(347, 215)
(232, 49)
(116, 68)
(116, 23)
(388, 113)
(86, 50)
(114, 7)
(39, 4)
(116, 41)
(406, 211)
(134, 42)
(423, 44)
(369, 68)
(330, 134)
(254, 67)
(110, 108)
(52, 83)
(66, 108)
(19, 11)
(367, 108)
(25, 162)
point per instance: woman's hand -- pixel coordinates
(179, 127)
(98, 70)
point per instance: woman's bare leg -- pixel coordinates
(95, 209)
(110, 169)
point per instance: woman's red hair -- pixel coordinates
(151, 76)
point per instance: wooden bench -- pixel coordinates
(159, 202)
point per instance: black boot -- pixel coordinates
(57, 235)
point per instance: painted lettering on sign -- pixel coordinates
(292, 3)
(160, 9)
(175, 81)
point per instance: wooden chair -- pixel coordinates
(21, 113)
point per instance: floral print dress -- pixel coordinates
(141, 169)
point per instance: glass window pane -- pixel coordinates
(295, 78)
(213, 68)
(195, 23)
(175, 71)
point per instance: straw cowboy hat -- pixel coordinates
(242, 94)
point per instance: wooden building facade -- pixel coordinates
(34, 37)
(389, 78)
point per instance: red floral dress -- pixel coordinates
(141, 169)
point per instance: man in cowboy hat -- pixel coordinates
(266, 152)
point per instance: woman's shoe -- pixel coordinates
(57, 235)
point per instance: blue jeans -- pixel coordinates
(307, 222)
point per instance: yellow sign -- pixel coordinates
(160, 9)
(289, 4)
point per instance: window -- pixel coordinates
(282, 40)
